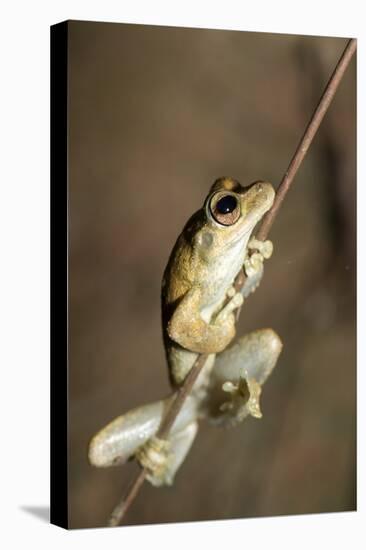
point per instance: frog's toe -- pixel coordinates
(155, 456)
(162, 458)
(265, 248)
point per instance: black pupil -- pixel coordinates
(226, 205)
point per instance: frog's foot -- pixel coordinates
(259, 251)
(241, 370)
(265, 248)
(163, 457)
(156, 457)
(244, 398)
(230, 293)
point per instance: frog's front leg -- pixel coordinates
(238, 375)
(188, 328)
(257, 252)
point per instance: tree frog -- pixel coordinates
(199, 306)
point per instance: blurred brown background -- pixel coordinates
(156, 115)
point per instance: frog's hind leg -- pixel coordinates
(124, 437)
(181, 444)
(238, 375)
(256, 353)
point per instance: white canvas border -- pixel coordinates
(25, 271)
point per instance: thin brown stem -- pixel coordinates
(299, 155)
(122, 507)
(307, 138)
(181, 396)
(165, 426)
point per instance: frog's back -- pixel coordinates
(179, 273)
(177, 280)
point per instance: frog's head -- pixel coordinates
(232, 211)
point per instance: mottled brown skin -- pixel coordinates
(186, 271)
(201, 269)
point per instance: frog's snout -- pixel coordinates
(258, 198)
(265, 189)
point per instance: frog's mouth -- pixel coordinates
(238, 237)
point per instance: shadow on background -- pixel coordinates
(40, 512)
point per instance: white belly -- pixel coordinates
(224, 271)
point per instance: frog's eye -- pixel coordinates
(225, 208)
